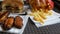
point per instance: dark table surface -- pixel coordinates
(32, 29)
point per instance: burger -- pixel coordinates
(13, 6)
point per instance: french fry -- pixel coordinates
(40, 18)
(50, 12)
(36, 18)
(31, 14)
(42, 15)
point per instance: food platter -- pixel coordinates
(15, 30)
(53, 19)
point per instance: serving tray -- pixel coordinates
(55, 18)
(15, 30)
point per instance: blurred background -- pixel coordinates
(56, 5)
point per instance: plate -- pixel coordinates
(53, 19)
(15, 30)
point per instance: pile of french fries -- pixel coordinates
(40, 15)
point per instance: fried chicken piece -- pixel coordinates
(8, 23)
(18, 22)
(3, 16)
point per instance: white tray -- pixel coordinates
(15, 30)
(49, 21)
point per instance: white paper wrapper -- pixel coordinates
(49, 21)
